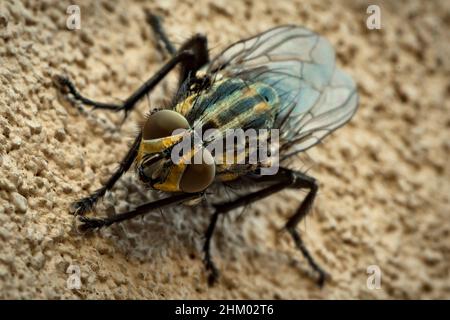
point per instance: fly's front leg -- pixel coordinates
(191, 56)
(96, 223)
(83, 205)
(198, 44)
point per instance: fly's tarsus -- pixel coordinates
(88, 224)
(213, 272)
(84, 205)
(66, 87)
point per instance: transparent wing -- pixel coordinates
(316, 98)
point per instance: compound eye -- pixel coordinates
(162, 124)
(198, 177)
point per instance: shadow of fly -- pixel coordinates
(282, 82)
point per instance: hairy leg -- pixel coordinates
(67, 87)
(156, 23)
(85, 204)
(285, 178)
(291, 226)
(95, 223)
(192, 55)
(198, 44)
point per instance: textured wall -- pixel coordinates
(384, 178)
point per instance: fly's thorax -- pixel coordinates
(155, 164)
(231, 103)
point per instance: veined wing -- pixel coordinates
(316, 98)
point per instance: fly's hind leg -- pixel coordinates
(198, 44)
(155, 22)
(304, 181)
(85, 204)
(281, 181)
(285, 178)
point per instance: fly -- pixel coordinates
(284, 79)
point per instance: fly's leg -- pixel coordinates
(66, 86)
(198, 44)
(84, 205)
(192, 55)
(284, 179)
(304, 181)
(96, 223)
(208, 261)
(156, 23)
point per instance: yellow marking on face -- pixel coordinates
(172, 182)
(156, 145)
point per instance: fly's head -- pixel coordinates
(156, 166)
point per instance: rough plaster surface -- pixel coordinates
(384, 178)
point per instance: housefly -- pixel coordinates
(284, 80)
